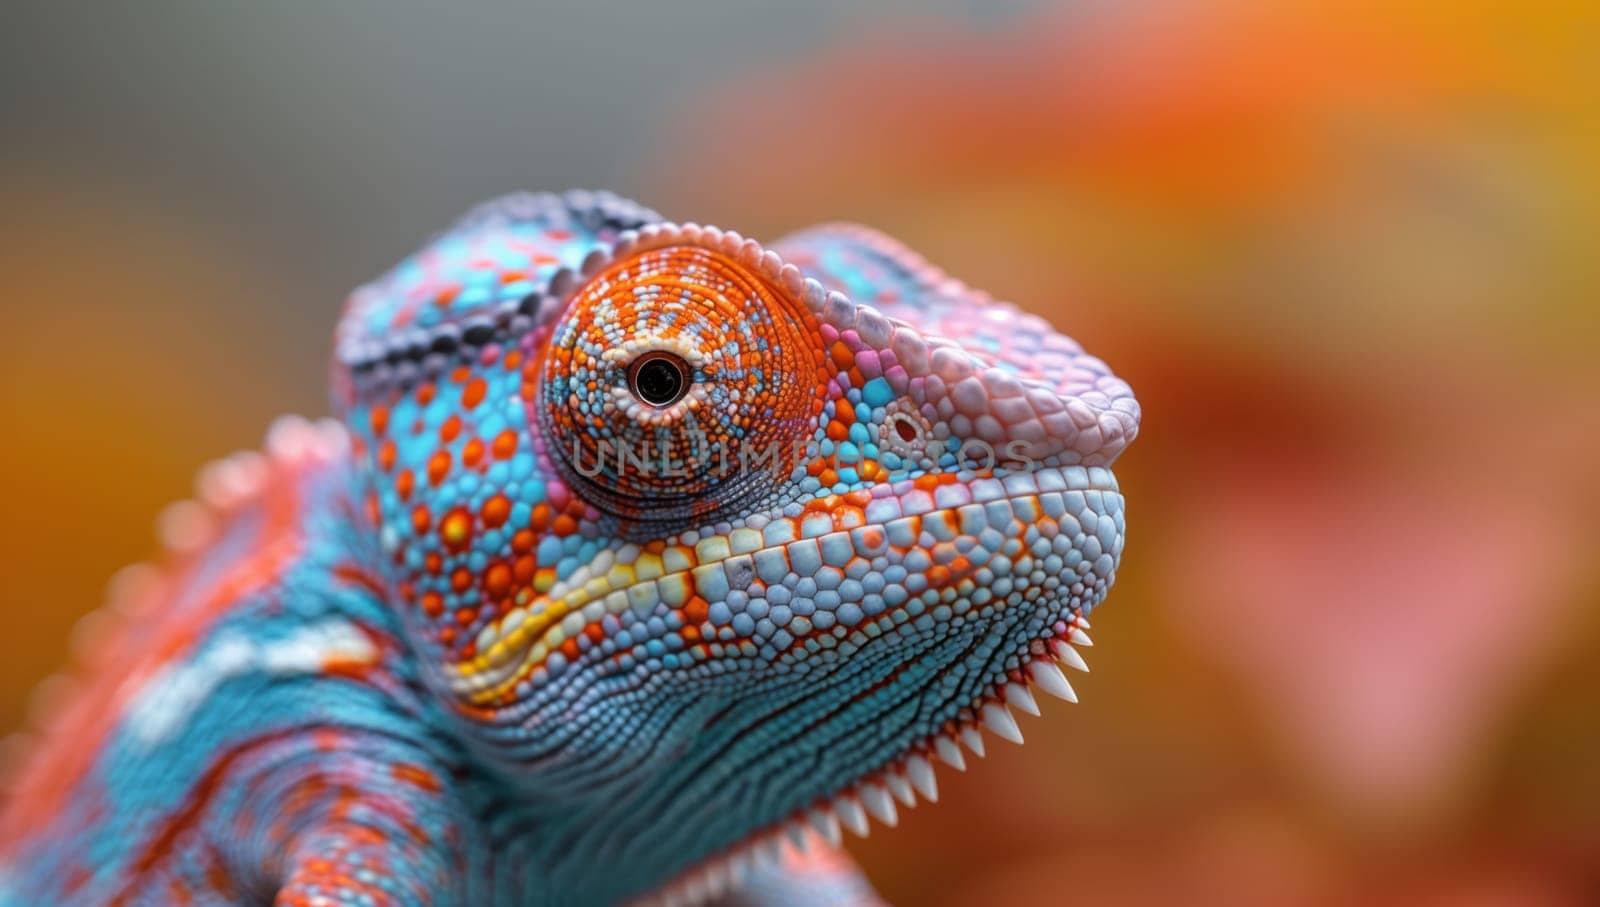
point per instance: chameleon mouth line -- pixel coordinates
(512, 648)
(903, 780)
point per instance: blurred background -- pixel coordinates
(1347, 258)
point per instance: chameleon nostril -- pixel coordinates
(659, 379)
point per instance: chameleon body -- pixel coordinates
(640, 560)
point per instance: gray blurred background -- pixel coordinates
(313, 145)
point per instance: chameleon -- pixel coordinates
(637, 563)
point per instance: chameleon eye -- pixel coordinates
(659, 379)
(679, 379)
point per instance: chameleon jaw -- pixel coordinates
(517, 648)
(903, 780)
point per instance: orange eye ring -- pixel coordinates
(670, 372)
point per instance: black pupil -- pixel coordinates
(659, 381)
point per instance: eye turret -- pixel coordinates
(678, 381)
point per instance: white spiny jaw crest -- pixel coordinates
(880, 794)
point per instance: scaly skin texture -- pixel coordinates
(526, 628)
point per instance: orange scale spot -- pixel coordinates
(690, 633)
(465, 616)
(456, 529)
(569, 648)
(505, 444)
(540, 519)
(843, 411)
(432, 604)
(513, 360)
(470, 650)
(450, 430)
(415, 775)
(822, 505)
(565, 525)
(432, 562)
(496, 511)
(438, 466)
(938, 575)
(380, 419)
(497, 579)
(829, 477)
(524, 569)
(421, 519)
(838, 431)
(696, 609)
(386, 455)
(472, 452)
(425, 392)
(595, 632)
(374, 513)
(473, 393)
(522, 541)
(529, 390)
(447, 635)
(405, 483)
(461, 374)
(461, 579)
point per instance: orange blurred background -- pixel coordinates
(1347, 258)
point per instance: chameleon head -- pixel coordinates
(696, 540)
